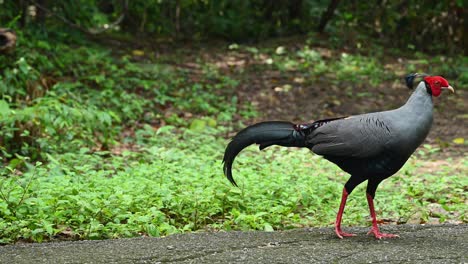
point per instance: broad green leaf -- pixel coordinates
(198, 125)
(4, 108)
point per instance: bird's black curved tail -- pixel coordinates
(265, 134)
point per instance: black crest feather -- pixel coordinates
(409, 79)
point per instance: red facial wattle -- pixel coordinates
(437, 83)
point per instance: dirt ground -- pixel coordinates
(321, 98)
(318, 98)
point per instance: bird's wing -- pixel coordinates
(355, 136)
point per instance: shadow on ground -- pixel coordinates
(418, 244)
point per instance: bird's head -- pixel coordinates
(437, 84)
(434, 84)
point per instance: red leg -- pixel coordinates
(338, 231)
(375, 228)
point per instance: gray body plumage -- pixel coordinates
(370, 147)
(375, 145)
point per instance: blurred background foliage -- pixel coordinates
(434, 26)
(61, 75)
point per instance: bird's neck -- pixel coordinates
(416, 115)
(420, 98)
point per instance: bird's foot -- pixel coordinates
(378, 235)
(342, 234)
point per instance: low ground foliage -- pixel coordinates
(97, 144)
(174, 184)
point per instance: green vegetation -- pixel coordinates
(102, 140)
(173, 183)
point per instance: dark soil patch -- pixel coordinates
(307, 102)
(310, 99)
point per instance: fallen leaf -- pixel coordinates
(299, 80)
(233, 46)
(280, 50)
(459, 141)
(138, 53)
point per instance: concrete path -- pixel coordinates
(418, 244)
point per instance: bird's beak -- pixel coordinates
(450, 88)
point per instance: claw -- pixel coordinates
(379, 235)
(342, 234)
